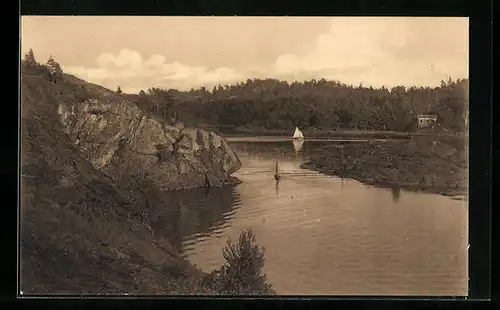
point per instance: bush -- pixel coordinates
(55, 70)
(241, 274)
(51, 70)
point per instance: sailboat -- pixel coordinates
(297, 135)
(277, 175)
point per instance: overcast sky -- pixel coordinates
(188, 52)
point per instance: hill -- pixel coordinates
(90, 197)
(269, 105)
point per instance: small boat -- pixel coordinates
(277, 175)
(297, 135)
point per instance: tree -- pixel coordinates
(55, 70)
(241, 273)
(163, 100)
(119, 90)
(313, 121)
(274, 104)
(144, 101)
(29, 59)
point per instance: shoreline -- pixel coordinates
(231, 181)
(311, 134)
(414, 187)
(413, 165)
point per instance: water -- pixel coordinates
(325, 235)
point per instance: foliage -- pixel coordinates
(51, 70)
(119, 90)
(29, 59)
(157, 102)
(30, 66)
(275, 104)
(241, 273)
(55, 70)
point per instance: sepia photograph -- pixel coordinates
(244, 156)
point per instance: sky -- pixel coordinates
(138, 52)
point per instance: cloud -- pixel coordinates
(385, 51)
(129, 70)
(375, 51)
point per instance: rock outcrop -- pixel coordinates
(123, 142)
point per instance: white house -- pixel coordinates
(426, 120)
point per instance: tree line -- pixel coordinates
(323, 105)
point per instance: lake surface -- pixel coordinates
(325, 235)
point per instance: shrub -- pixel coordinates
(29, 59)
(55, 70)
(30, 66)
(241, 273)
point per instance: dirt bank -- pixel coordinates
(437, 165)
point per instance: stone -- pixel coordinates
(120, 140)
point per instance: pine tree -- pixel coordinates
(119, 90)
(29, 59)
(242, 272)
(55, 70)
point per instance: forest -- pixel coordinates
(321, 105)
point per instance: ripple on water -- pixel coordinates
(324, 235)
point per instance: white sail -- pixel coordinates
(298, 134)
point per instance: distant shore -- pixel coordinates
(341, 133)
(419, 161)
(420, 164)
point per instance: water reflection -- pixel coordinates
(297, 145)
(269, 150)
(396, 193)
(207, 191)
(197, 213)
(342, 238)
(277, 186)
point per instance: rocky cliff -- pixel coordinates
(121, 141)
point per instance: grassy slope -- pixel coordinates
(80, 233)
